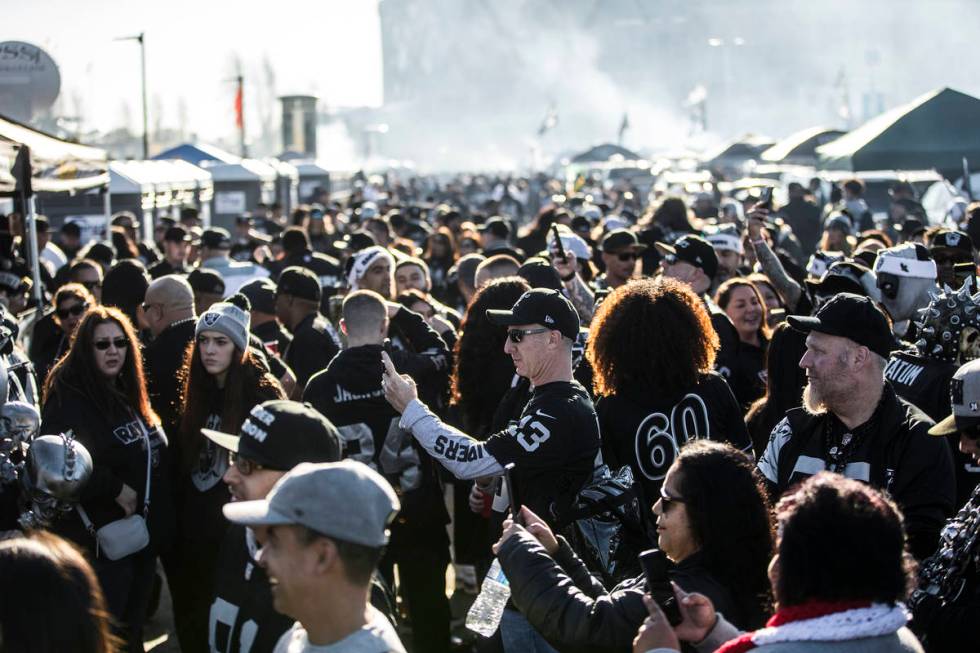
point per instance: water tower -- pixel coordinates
(299, 124)
(29, 80)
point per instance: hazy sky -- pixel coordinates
(329, 48)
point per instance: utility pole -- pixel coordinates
(146, 129)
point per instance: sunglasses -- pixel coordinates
(666, 500)
(76, 310)
(626, 256)
(517, 335)
(244, 465)
(118, 343)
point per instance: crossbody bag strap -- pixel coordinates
(149, 464)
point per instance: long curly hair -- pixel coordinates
(248, 383)
(77, 372)
(481, 372)
(729, 514)
(652, 336)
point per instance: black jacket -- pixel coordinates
(314, 345)
(118, 452)
(891, 451)
(162, 360)
(571, 608)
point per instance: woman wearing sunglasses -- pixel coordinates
(70, 303)
(222, 381)
(712, 523)
(98, 391)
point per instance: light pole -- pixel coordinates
(146, 131)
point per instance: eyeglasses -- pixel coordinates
(626, 256)
(668, 500)
(118, 343)
(244, 465)
(75, 310)
(517, 335)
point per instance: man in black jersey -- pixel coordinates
(555, 443)
(277, 436)
(854, 424)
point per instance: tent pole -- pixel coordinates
(35, 258)
(107, 209)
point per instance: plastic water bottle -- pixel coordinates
(485, 613)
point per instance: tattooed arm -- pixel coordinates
(772, 267)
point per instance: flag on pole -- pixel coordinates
(550, 120)
(623, 126)
(239, 118)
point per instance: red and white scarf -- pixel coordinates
(823, 622)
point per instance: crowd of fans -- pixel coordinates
(303, 423)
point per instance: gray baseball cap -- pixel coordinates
(348, 501)
(964, 391)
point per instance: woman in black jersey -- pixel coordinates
(222, 381)
(653, 352)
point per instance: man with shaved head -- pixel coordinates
(168, 313)
(496, 267)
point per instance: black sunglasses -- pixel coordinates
(118, 343)
(626, 256)
(244, 465)
(517, 335)
(77, 309)
(668, 500)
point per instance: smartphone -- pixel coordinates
(654, 564)
(765, 199)
(558, 244)
(512, 493)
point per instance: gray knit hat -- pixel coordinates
(228, 319)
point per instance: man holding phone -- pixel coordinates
(555, 443)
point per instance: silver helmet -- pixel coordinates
(19, 423)
(55, 472)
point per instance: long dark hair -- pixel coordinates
(248, 383)
(481, 372)
(450, 256)
(728, 510)
(651, 336)
(76, 370)
(784, 384)
(53, 601)
(724, 295)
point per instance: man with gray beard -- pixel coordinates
(854, 424)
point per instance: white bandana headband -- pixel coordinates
(363, 260)
(906, 267)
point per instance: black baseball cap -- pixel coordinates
(841, 276)
(497, 227)
(216, 238)
(952, 239)
(694, 250)
(543, 306)
(261, 294)
(851, 316)
(618, 240)
(281, 434)
(539, 273)
(177, 235)
(206, 280)
(299, 282)
(355, 242)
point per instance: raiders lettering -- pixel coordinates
(456, 450)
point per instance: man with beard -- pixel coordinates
(854, 424)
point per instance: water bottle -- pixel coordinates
(485, 613)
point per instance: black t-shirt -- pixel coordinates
(242, 617)
(553, 446)
(646, 432)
